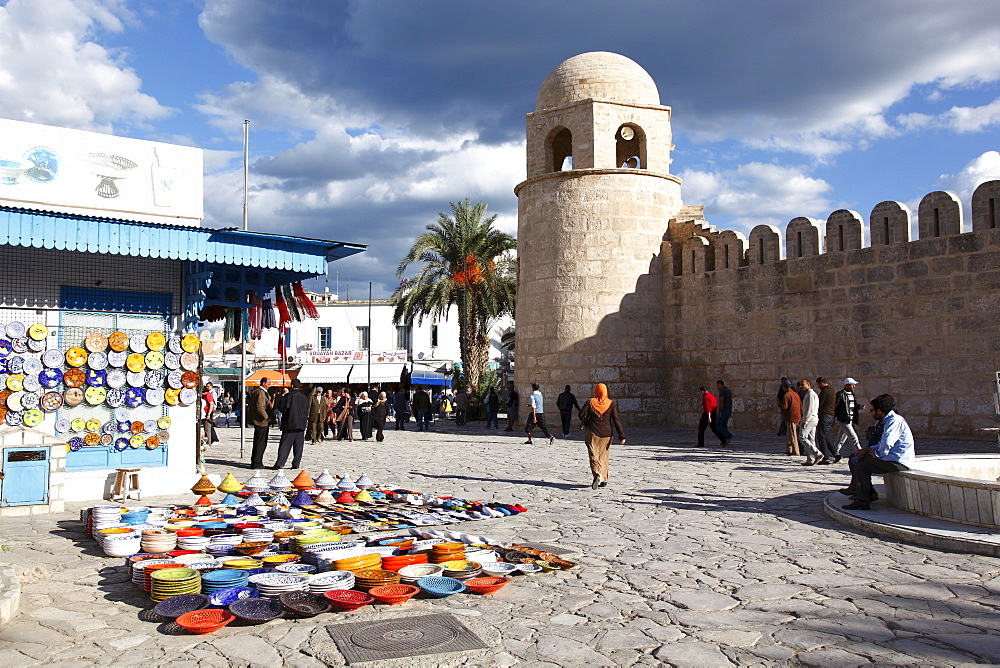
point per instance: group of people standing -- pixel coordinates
(808, 418)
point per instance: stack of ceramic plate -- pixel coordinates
(442, 552)
(159, 541)
(139, 569)
(104, 515)
(198, 543)
(174, 582)
(409, 575)
(330, 581)
(359, 563)
(222, 579)
(147, 582)
(223, 544)
(258, 535)
(481, 556)
(365, 580)
(273, 585)
(295, 569)
(462, 570)
(241, 564)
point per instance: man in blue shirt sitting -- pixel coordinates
(893, 452)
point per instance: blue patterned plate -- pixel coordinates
(16, 330)
(135, 397)
(96, 377)
(50, 377)
(115, 398)
(5, 347)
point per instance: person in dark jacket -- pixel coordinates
(847, 411)
(399, 408)
(294, 420)
(258, 409)
(422, 409)
(827, 407)
(492, 408)
(345, 415)
(599, 415)
(513, 401)
(365, 415)
(566, 402)
(380, 411)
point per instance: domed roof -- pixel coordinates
(598, 74)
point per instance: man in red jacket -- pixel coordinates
(708, 405)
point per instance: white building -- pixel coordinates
(335, 348)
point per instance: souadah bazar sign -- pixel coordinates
(355, 356)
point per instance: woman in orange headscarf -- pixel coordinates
(598, 416)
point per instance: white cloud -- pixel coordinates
(985, 167)
(51, 70)
(958, 119)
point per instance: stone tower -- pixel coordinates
(591, 216)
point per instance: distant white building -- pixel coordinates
(356, 342)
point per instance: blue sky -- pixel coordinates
(368, 117)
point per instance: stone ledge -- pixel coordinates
(887, 521)
(10, 594)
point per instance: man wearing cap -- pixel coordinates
(791, 411)
(847, 412)
(893, 452)
(807, 428)
(827, 407)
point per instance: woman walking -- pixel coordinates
(365, 416)
(346, 416)
(598, 415)
(380, 411)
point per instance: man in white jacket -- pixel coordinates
(807, 428)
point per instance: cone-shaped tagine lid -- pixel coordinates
(279, 499)
(324, 497)
(364, 482)
(257, 483)
(254, 500)
(230, 485)
(232, 500)
(203, 486)
(345, 497)
(302, 480)
(363, 495)
(325, 481)
(302, 499)
(203, 501)
(279, 482)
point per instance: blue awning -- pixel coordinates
(89, 234)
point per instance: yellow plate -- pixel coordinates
(190, 343)
(15, 382)
(163, 422)
(136, 362)
(32, 418)
(136, 441)
(93, 424)
(156, 341)
(38, 331)
(154, 359)
(171, 396)
(76, 356)
(95, 395)
(78, 424)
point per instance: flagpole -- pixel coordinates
(370, 335)
(243, 348)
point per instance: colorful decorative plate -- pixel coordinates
(116, 378)
(189, 361)
(31, 384)
(121, 414)
(118, 342)
(38, 331)
(108, 427)
(121, 444)
(172, 397)
(76, 356)
(98, 361)
(115, 398)
(189, 379)
(96, 342)
(154, 360)
(32, 366)
(96, 377)
(136, 362)
(154, 396)
(149, 425)
(163, 422)
(19, 345)
(3, 397)
(137, 427)
(93, 424)
(16, 330)
(135, 397)
(51, 402)
(187, 396)
(79, 424)
(107, 439)
(15, 365)
(3, 364)
(95, 395)
(74, 377)
(125, 427)
(190, 343)
(36, 346)
(50, 377)
(32, 418)
(172, 360)
(13, 418)
(53, 358)
(76, 444)
(163, 435)
(137, 343)
(5, 347)
(92, 439)
(174, 379)
(152, 443)
(136, 441)
(174, 344)
(156, 341)
(73, 396)
(117, 359)
(62, 425)
(14, 401)
(155, 378)
(15, 382)
(30, 401)
(136, 378)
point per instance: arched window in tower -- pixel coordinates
(631, 147)
(559, 148)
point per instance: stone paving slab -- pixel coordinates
(691, 557)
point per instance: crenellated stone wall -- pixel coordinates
(918, 319)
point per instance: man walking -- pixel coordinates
(492, 408)
(512, 407)
(827, 406)
(724, 411)
(208, 408)
(847, 413)
(295, 418)
(258, 410)
(422, 407)
(461, 407)
(708, 405)
(536, 418)
(807, 427)
(566, 402)
(893, 452)
(317, 415)
(791, 412)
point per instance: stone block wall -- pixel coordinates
(920, 320)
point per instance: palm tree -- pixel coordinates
(464, 261)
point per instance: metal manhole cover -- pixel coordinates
(402, 637)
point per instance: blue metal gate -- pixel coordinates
(25, 477)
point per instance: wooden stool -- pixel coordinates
(126, 485)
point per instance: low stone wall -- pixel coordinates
(10, 594)
(959, 488)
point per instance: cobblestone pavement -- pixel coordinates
(691, 557)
